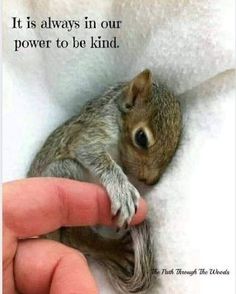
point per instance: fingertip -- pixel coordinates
(141, 213)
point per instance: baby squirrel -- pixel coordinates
(132, 129)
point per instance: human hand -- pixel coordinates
(37, 206)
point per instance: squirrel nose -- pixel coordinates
(148, 181)
(144, 180)
(151, 182)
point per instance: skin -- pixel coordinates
(36, 206)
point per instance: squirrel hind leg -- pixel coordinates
(116, 254)
(120, 257)
(129, 261)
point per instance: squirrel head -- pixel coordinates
(151, 119)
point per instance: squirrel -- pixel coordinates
(133, 129)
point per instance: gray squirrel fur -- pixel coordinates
(132, 129)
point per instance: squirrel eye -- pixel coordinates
(141, 139)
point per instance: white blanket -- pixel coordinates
(189, 45)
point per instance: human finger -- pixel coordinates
(46, 266)
(37, 206)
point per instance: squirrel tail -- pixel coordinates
(141, 278)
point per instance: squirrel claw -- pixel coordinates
(126, 225)
(118, 230)
(116, 214)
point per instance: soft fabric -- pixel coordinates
(188, 45)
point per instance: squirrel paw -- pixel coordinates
(124, 203)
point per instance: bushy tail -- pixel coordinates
(141, 278)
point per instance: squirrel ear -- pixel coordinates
(138, 90)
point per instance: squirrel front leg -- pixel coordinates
(123, 195)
